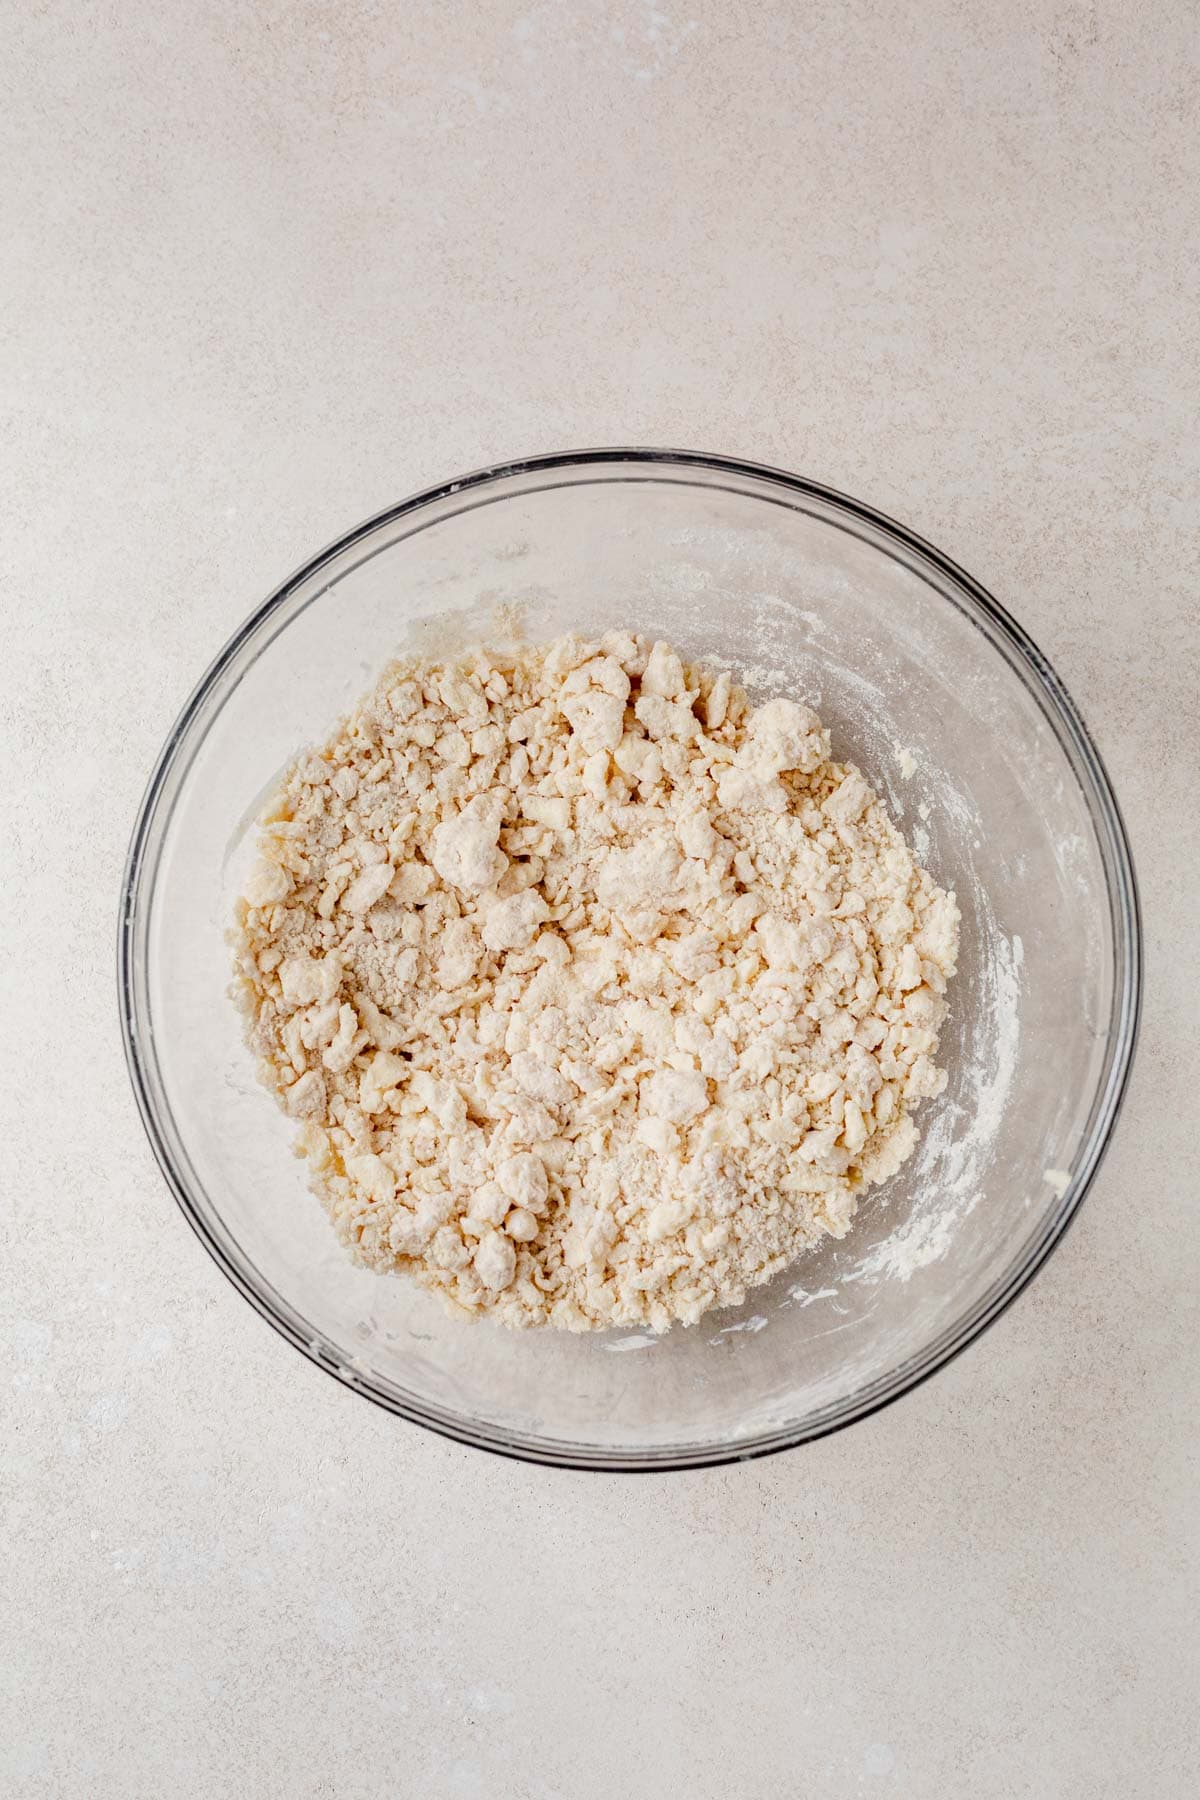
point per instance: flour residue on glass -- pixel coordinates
(955, 1148)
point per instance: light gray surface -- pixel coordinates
(270, 268)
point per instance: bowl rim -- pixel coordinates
(1124, 1018)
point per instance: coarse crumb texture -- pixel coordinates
(597, 994)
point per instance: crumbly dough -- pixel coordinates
(598, 996)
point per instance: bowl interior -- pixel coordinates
(923, 686)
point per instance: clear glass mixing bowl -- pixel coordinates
(954, 715)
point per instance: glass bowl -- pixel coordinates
(956, 718)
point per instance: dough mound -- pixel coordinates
(598, 994)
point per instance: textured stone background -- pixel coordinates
(267, 268)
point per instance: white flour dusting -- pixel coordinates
(950, 1162)
(799, 1296)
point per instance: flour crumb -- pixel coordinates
(597, 994)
